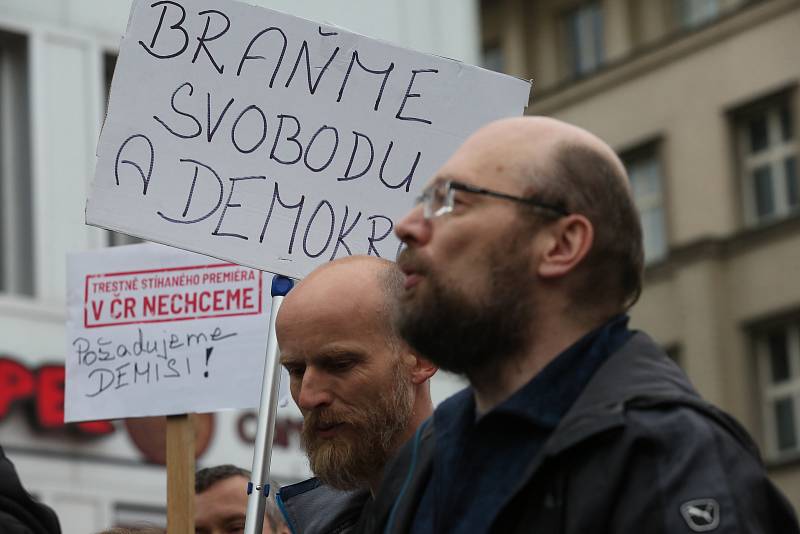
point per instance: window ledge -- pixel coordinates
(652, 57)
(724, 246)
(31, 308)
(782, 462)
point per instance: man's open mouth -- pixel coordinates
(327, 429)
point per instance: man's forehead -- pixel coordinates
(504, 149)
(309, 328)
(230, 484)
(342, 296)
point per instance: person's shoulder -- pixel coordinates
(693, 440)
(10, 524)
(311, 506)
(18, 509)
(687, 422)
(313, 492)
(456, 401)
(694, 458)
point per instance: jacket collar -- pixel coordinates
(638, 370)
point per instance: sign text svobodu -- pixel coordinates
(275, 142)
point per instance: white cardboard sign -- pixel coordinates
(153, 330)
(275, 142)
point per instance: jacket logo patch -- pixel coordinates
(701, 515)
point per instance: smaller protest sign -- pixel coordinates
(153, 330)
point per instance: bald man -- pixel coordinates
(523, 256)
(361, 389)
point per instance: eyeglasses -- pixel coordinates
(439, 198)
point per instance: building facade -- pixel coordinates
(56, 62)
(701, 100)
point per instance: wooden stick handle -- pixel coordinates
(180, 474)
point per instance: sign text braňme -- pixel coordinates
(275, 142)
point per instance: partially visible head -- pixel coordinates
(220, 502)
(593, 182)
(134, 530)
(479, 277)
(361, 390)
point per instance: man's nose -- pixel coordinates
(314, 391)
(414, 229)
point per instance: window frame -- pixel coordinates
(645, 151)
(493, 56)
(683, 14)
(571, 52)
(17, 223)
(769, 392)
(772, 156)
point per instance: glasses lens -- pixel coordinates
(436, 200)
(443, 199)
(425, 199)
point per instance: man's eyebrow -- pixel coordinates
(327, 356)
(335, 355)
(233, 519)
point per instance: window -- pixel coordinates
(109, 62)
(493, 30)
(116, 239)
(778, 350)
(583, 28)
(644, 171)
(493, 57)
(769, 152)
(692, 13)
(16, 202)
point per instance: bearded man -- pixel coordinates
(523, 255)
(361, 390)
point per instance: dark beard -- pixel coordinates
(467, 335)
(351, 461)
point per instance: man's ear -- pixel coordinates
(420, 368)
(564, 244)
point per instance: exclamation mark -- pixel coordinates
(208, 355)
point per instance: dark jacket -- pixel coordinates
(639, 452)
(19, 513)
(311, 507)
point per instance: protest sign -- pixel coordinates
(154, 330)
(275, 142)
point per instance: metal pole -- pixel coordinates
(258, 487)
